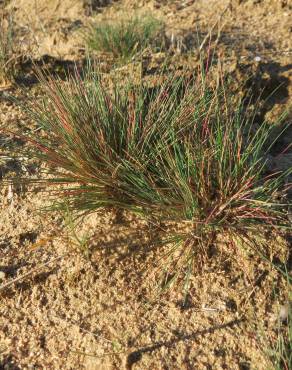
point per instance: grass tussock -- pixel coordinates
(125, 38)
(183, 155)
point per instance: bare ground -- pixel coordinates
(97, 308)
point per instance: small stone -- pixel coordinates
(284, 312)
(2, 276)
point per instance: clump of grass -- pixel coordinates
(183, 155)
(7, 52)
(125, 38)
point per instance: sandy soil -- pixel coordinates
(65, 304)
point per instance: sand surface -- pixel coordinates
(65, 304)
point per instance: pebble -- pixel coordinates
(284, 312)
(2, 276)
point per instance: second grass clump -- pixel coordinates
(182, 154)
(126, 37)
